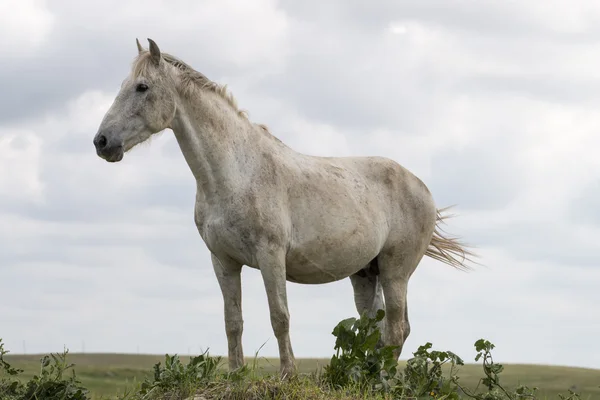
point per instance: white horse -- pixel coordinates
(295, 217)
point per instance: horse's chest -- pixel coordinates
(235, 232)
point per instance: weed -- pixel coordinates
(359, 361)
(51, 383)
(176, 380)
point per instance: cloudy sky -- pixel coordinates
(495, 105)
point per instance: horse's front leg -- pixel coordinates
(229, 276)
(272, 268)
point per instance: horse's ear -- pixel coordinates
(154, 52)
(139, 46)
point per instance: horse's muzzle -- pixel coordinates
(107, 149)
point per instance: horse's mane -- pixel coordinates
(191, 81)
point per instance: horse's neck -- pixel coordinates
(220, 147)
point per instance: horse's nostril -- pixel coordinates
(102, 142)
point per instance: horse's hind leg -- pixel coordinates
(368, 293)
(395, 271)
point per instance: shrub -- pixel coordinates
(50, 384)
(176, 380)
(423, 375)
(359, 361)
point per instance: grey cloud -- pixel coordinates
(178, 246)
(585, 208)
(350, 99)
(65, 69)
(349, 89)
(549, 88)
(548, 241)
(93, 49)
(358, 87)
(65, 204)
(482, 175)
(90, 197)
(185, 293)
(504, 20)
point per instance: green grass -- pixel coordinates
(109, 374)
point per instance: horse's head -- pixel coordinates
(144, 106)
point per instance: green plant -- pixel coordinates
(491, 380)
(178, 380)
(358, 359)
(50, 384)
(423, 375)
(360, 362)
(572, 396)
(10, 387)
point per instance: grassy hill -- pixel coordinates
(108, 374)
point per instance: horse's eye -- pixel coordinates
(142, 87)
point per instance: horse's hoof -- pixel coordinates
(288, 372)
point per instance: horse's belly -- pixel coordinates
(321, 262)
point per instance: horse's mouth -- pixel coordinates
(115, 155)
(115, 158)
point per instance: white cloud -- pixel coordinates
(242, 34)
(24, 26)
(20, 152)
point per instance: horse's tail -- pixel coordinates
(449, 250)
